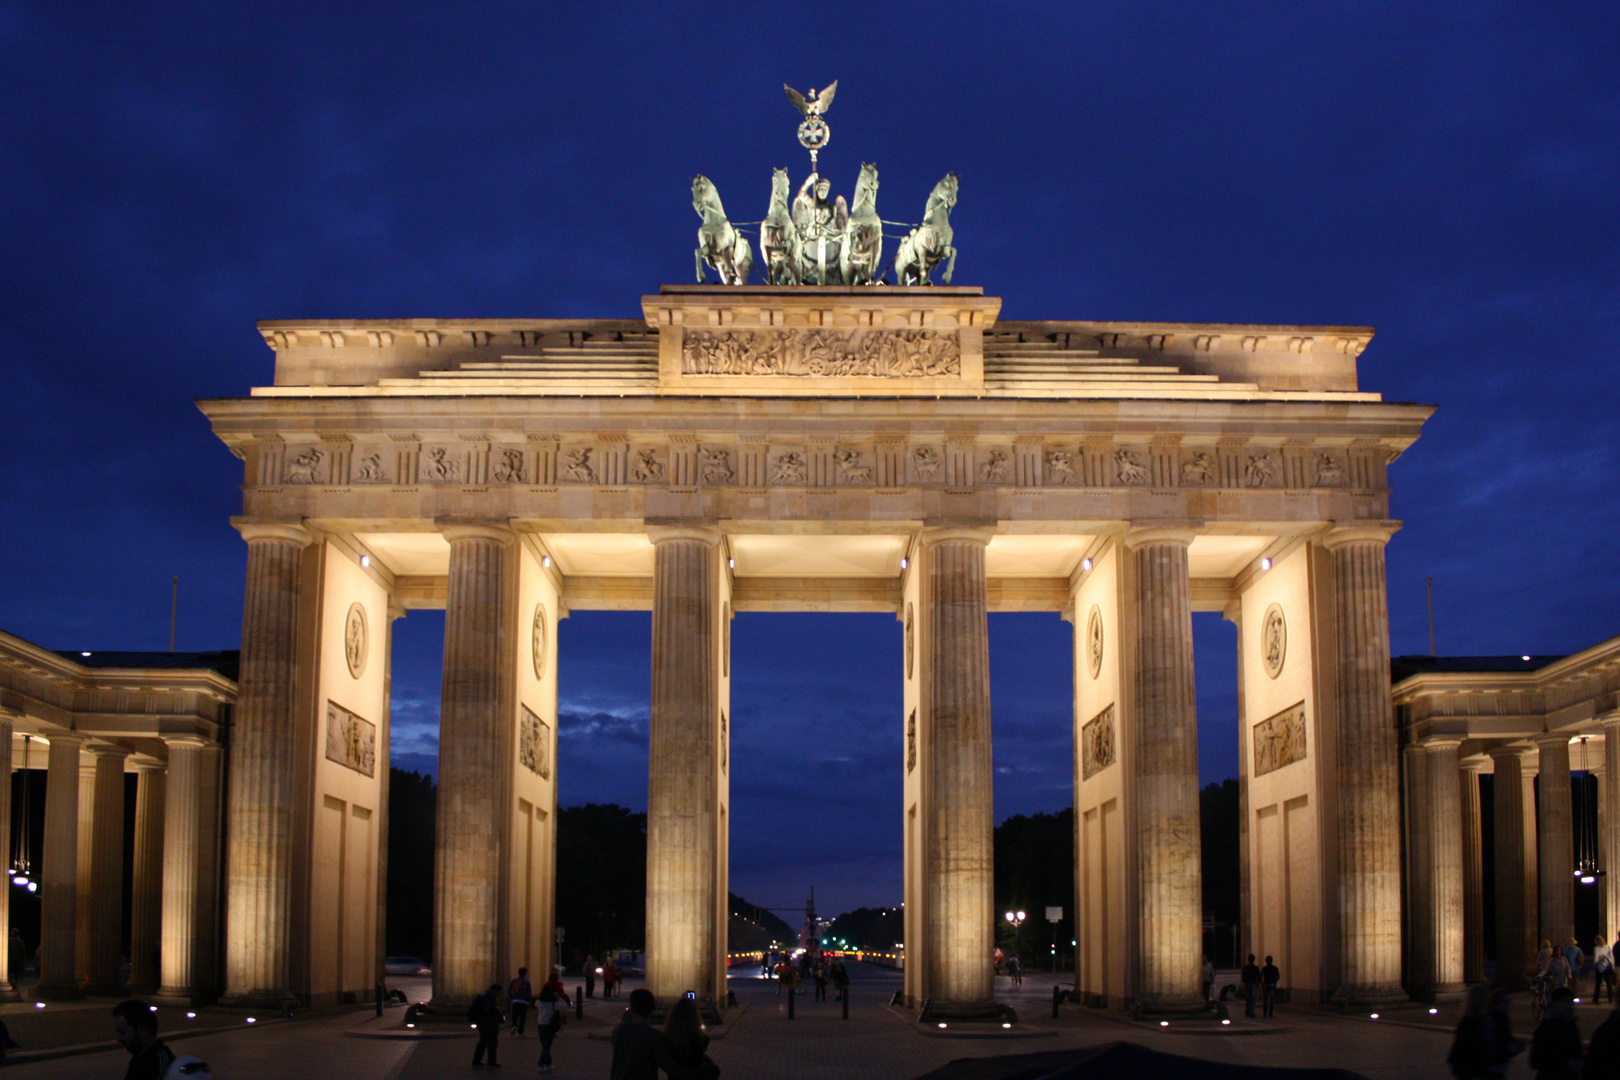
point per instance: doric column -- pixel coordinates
(683, 782)
(1515, 859)
(1369, 800)
(7, 991)
(1169, 859)
(1419, 898)
(1555, 842)
(59, 879)
(105, 961)
(146, 896)
(1473, 873)
(1446, 842)
(959, 864)
(1609, 829)
(467, 859)
(259, 810)
(186, 840)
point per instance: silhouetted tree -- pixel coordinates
(877, 929)
(412, 813)
(1035, 871)
(601, 879)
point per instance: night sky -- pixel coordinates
(1445, 172)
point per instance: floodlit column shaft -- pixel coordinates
(1555, 842)
(1515, 890)
(1446, 843)
(185, 840)
(59, 879)
(7, 991)
(682, 785)
(1369, 774)
(262, 789)
(146, 897)
(1473, 876)
(1170, 924)
(960, 865)
(106, 923)
(1609, 829)
(468, 852)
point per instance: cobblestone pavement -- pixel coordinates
(760, 1043)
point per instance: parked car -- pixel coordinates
(406, 965)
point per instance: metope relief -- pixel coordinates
(788, 469)
(1060, 468)
(1094, 641)
(926, 463)
(853, 467)
(1261, 471)
(891, 354)
(303, 467)
(1330, 471)
(716, 465)
(1097, 744)
(534, 743)
(370, 469)
(646, 467)
(1274, 640)
(440, 467)
(506, 466)
(356, 639)
(577, 467)
(350, 741)
(996, 467)
(1198, 469)
(1279, 740)
(1131, 467)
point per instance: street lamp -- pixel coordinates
(1017, 920)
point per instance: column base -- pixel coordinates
(1191, 1006)
(9, 992)
(986, 1012)
(141, 989)
(1444, 994)
(178, 997)
(69, 992)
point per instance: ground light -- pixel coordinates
(191, 1016)
(1375, 1016)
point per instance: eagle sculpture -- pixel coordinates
(815, 104)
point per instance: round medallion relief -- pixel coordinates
(1094, 641)
(911, 638)
(356, 639)
(1274, 640)
(539, 641)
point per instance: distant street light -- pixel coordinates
(1017, 920)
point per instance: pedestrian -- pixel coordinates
(556, 984)
(610, 979)
(6, 1042)
(1501, 1046)
(1251, 985)
(1269, 978)
(688, 1042)
(1543, 955)
(1470, 1053)
(639, 1049)
(1602, 969)
(590, 972)
(1015, 969)
(840, 979)
(1208, 976)
(1555, 1049)
(1603, 1052)
(548, 1020)
(1556, 972)
(135, 1028)
(819, 972)
(520, 992)
(485, 1014)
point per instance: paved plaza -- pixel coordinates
(758, 1042)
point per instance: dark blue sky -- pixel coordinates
(1445, 172)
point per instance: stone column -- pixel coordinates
(185, 844)
(7, 991)
(683, 784)
(59, 877)
(467, 858)
(1473, 874)
(1555, 844)
(959, 861)
(105, 962)
(259, 808)
(1609, 829)
(1369, 796)
(146, 897)
(1166, 766)
(1515, 887)
(1446, 842)
(1419, 898)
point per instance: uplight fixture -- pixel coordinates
(253, 1020)
(365, 561)
(1526, 659)
(1265, 562)
(1085, 563)
(84, 654)
(545, 561)
(731, 564)
(1375, 1016)
(904, 562)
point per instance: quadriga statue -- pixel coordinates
(779, 242)
(863, 238)
(719, 244)
(929, 243)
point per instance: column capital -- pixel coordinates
(453, 529)
(1472, 764)
(1552, 740)
(1609, 723)
(1436, 743)
(146, 764)
(700, 534)
(1158, 534)
(1371, 532)
(956, 534)
(107, 750)
(173, 741)
(64, 736)
(1520, 751)
(286, 532)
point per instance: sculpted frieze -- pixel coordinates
(996, 467)
(788, 469)
(577, 466)
(1279, 740)
(1097, 744)
(1131, 466)
(646, 467)
(926, 463)
(854, 468)
(889, 354)
(303, 467)
(371, 469)
(506, 466)
(1261, 471)
(716, 465)
(1330, 470)
(350, 740)
(534, 743)
(439, 467)
(1198, 469)
(1060, 468)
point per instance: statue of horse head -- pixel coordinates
(705, 199)
(944, 194)
(779, 187)
(866, 186)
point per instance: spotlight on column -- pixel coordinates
(1265, 563)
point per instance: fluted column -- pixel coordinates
(105, 962)
(1446, 842)
(1369, 798)
(259, 810)
(1473, 873)
(146, 896)
(959, 865)
(7, 991)
(1419, 898)
(59, 877)
(1555, 844)
(467, 858)
(1609, 829)
(682, 785)
(1166, 765)
(1516, 900)
(185, 840)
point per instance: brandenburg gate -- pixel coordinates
(829, 448)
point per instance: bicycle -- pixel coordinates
(1541, 989)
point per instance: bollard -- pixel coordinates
(845, 996)
(382, 994)
(579, 1003)
(791, 995)
(1058, 994)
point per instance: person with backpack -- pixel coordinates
(548, 1020)
(520, 991)
(485, 1014)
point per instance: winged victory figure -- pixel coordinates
(814, 104)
